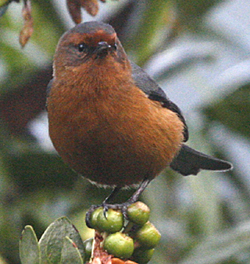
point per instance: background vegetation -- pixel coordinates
(199, 52)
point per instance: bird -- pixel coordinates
(110, 121)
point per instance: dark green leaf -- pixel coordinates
(33, 171)
(3, 9)
(233, 111)
(191, 11)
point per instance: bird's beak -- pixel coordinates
(102, 47)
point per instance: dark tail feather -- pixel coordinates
(190, 161)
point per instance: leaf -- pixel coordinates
(28, 247)
(32, 171)
(3, 2)
(91, 6)
(221, 247)
(3, 9)
(27, 29)
(74, 8)
(148, 40)
(51, 242)
(191, 11)
(233, 111)
(70, 252)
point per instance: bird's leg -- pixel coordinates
(138, 192)
(123, 206)
(112, 195)
(134, 198)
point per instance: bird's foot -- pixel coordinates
(123, 207)
(106, 206)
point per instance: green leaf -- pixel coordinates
(3, 9)
(18, 64)
(35, 170)
(148, 38)
(190, 12)
(52, 240)
(222, 246)
(233, 111)
(28, 247)
(3, 2)
(70, 252)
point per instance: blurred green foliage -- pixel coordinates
(233, 111)
(203, 219)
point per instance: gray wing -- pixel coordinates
(154, 92)
(188, 161)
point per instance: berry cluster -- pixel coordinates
(132, 238)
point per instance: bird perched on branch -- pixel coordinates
(109, 121)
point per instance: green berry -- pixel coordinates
(119, 245)
(93, 218)
(142, 256)
(138, 213)
(148, 236)
(111, 223)
(88, 248)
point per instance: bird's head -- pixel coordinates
(88, 47)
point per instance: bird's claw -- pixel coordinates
(123, 207)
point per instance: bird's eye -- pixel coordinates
(82, 47)
(114, 46)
